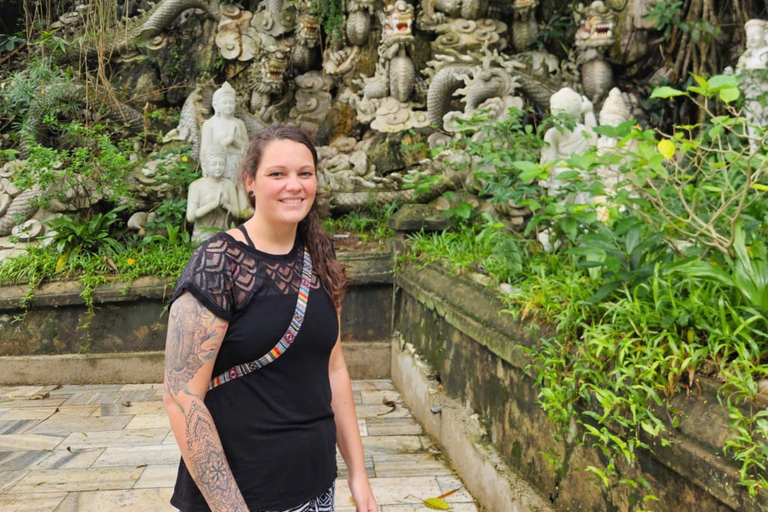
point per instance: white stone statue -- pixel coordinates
(230, 133)
(753, 69)
(563, 142)
(212, 201)
(613, 113)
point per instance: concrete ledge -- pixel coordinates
(495, 486)
(365, 360)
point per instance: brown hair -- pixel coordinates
(324, 261)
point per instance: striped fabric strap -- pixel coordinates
(287, 339)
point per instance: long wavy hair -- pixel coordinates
(324, 261)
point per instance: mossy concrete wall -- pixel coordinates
(478, 356)
(132, 317)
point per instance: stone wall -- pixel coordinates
(132, 317)
(477, 356)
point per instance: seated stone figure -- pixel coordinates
(231, 134)
(563, 142)
(212, 200)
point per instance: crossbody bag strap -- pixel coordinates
(287, 339)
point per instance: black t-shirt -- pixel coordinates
(276, 424)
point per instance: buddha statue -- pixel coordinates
(212, 201)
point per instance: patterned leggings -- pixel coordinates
(322, 503)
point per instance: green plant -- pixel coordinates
(75, 235)
(368, 223)
(9, 42)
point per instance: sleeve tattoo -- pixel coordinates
(194, 338)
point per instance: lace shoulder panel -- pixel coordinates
(221, 275)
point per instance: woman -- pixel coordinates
(260, 437)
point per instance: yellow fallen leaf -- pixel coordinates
(667, 148)
(436, 504)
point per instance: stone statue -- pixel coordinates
(212, 201)
(753, 69)
(563, 142)
(615, 111)
(231, 134)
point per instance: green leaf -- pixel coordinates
(729, 94)
(666, 92)
(760, 187)
(722, 82)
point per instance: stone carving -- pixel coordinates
(28, 230)
(468, 37)
(752, 67)
(593, 39)
(267, 78)
(614, 112)
(306, 44)
(563, 142)
(358, 23)
(525, 29)
(273, 19)
(212, 200)
(312, 98)
(233, 36)
(231, 134)
(434, 12)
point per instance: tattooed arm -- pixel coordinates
(194, 338)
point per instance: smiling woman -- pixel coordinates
(255, 421)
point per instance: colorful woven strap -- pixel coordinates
(287, 339)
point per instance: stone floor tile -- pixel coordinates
(414, 464)
(392, 444)
(393, 491)
(383, 384)
(48, 459)
(71, 389)
(357, 398)
(16, 426)
(51, 401)
(66, 424)
(107, 438)
(101, 479)
(170, 439)
(10, 478)
(43, 413)
(149, 421)
(142, 387)
(393, 427)
(17, 391)
(133, 500)
(29, 442)
(343, 472)
(380, 410)
(378, 397)
(33, 502)
(158, 476)
(158, 395)
(363, 385)
(130, 456)
(4, 410)
(109, 397)
(134, 409)
(450, 482)
(455, 507)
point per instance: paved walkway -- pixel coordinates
(110, 447)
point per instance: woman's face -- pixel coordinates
(285, 183)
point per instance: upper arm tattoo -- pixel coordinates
(194, 336)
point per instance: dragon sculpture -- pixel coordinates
(525, 29)
(306, 43)
(593, 39)
(266, 77)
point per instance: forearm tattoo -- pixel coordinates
(194, 335)
(208, 464)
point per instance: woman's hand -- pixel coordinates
(362, 494)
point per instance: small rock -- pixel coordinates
(762, 387)
(506, 288)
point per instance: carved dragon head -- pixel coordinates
(269, 74)
(397, 22)
(522, 8)
(596, 24)
(308, 29)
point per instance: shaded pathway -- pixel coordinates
(109, 447)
